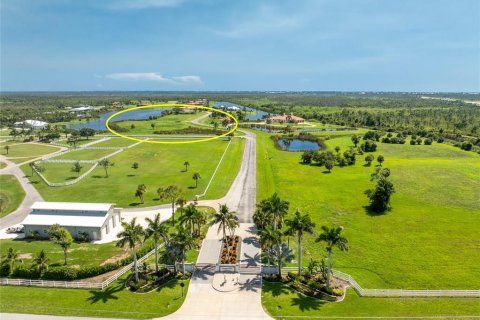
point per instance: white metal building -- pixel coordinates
(96, 219)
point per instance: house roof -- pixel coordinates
(71, 206)
(64, 220)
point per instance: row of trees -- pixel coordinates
(269, 218)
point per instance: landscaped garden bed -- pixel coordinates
(149, 281)
(230, 250)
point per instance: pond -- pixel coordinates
(253, 115)
(297, 144)
(99, 123)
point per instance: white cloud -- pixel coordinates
(189, 79)
(137, 76)
(153, 76)
(142, 4)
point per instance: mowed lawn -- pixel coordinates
(79, 254)
(165, 123)
(280, 300)
(26, 150)
(159, 166)
(61, 172)
(11, 192)
(429, 240)
(113, 302)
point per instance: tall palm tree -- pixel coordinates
(200, 219)
(196, 176)
(261, 218)
(185, 241)
(41, 261)
(186, 164)
(224, 217)
(277, 207)
(171, 193)
(270, 238)
(189, 216)
(332, 238)
(181, 202)
(131, 235)
(12, 257)
(141, 189)
(299, 225)
(157, 230)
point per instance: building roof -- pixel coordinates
(71, 206)
(64, 220)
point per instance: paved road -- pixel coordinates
(31, 195)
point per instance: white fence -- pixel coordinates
(77, 284)
(390, 292)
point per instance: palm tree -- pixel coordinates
(41, 261)
(195, 177)
(157, 230)
(261, 218)
(277, 207)
(11, 258)
(189, 216)
(299, 225)
(131, 235)
(171, 193)
(141, 189)
(185, 241)
(224, 217)
(186, 164)
(181, 202)
(269, 238)
(200, 219)
(332, 238)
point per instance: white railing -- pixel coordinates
(387, 292)
(76, 284)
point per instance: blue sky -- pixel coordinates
(356, 45)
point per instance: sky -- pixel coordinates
(248, 45)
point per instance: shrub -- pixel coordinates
(466, 145)
(4, 270)
(369, 146)
(440, 139)
(337, 292)
(83, 236)
(60, 273)
(413, 142)
(428, 141)
(25, 272)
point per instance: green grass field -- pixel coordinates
(28, 150)
(429, 240)
(113, 302)
(85, 154)
(165, 123)
(115, 142)
(61, 172)
(159, 166)
(11, 192)
(79, 254)
(2, 164)
(280, 300)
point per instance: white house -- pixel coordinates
(34, 124)
(96, 219)
(81, 108)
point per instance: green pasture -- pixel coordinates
(11, 192)
(159, 166)
(61, 172)
(79, 254)
(27, 150)
(84, 154)
(113, 302)
(168, 122)
(280, 300)
(429, 239)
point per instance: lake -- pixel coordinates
(99, 123)
(256, 115)
(298, 144)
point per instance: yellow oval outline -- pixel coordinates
(169, 105)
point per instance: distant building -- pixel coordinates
(95, 219)
(81, 108)
(289, 118)
(34, 124)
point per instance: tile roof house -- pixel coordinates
(286, 118)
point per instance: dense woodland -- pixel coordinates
(386, 111)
